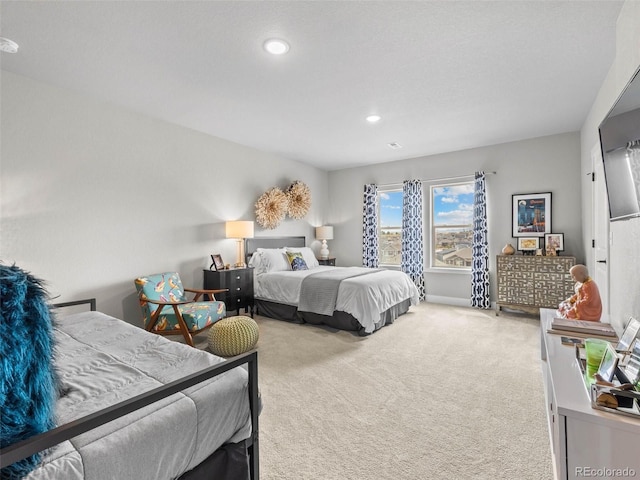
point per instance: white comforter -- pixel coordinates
(365, 297)
(102, 361)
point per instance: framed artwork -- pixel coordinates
(554, 241)
(528, 245)
(629, 335)
(217, 264)
(531, 214)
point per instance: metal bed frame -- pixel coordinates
(46, 440)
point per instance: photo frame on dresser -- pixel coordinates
(528, 245)
(531, 214)
(554, 241)
(217, 264)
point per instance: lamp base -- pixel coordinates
(240, 265)
(324, 250)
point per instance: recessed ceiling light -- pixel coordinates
(8, 46)
(394, 145)
(276, 46)
(373, 118)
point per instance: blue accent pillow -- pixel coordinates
(297, 261)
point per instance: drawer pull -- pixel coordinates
(238, 289)
(238, 277)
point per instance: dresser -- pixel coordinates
(239, 281)
(531, 282)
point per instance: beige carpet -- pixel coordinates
(443, 393)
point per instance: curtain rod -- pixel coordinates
(443, 179)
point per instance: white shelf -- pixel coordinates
(581, 436)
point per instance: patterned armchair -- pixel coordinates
(166, 310)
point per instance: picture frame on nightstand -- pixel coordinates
(217, 264)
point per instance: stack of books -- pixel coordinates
(583, 329)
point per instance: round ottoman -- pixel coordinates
(232, 336)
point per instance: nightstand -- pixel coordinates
(331, 261)
(239, 281)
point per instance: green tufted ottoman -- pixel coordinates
(233, 335)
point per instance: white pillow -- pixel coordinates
(308, 255)
(258, 263)
(273, 260)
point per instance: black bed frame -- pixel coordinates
(46, 440)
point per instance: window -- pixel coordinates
(390, 231)
(452, 225)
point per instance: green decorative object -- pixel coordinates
(233, 336)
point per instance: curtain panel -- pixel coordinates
(412, 262)
(370, 226)
(480, 295)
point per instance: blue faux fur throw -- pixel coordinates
(28, 383)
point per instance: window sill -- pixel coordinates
(455, 271)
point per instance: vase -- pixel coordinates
(508, 249)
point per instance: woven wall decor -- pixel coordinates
(271, 208)
(299, 197)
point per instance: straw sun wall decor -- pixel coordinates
(274, 204)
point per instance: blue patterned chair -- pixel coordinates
(167, 311)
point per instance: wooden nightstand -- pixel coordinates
(331, 261)
(239, 281)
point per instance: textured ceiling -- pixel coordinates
(444, 75)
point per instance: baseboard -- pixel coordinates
(455, 301)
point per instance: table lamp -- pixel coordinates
(324, 233)
(240, 229)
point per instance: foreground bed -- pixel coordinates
(179, 426)
(352, 298)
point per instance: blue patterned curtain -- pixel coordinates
(480, 297)
(370, 226)
(412, 245)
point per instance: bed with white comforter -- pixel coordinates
(364, 302)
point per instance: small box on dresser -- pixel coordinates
(239, 281)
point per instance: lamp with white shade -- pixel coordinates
(324, 233)
(239, 229)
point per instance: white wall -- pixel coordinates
(93, 195)
(546, 164)
(624, 259)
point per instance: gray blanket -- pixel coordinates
(102, 361)
(319, 291)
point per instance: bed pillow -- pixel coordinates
(271, 260)
(297, 261)
(308, 255)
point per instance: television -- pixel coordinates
(620, 143)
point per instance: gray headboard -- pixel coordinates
(251, 244)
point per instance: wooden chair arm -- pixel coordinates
(207, 293)
(202, 291)
(160, 302)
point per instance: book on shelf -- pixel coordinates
(584, 327)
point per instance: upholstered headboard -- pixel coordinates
(251, 244)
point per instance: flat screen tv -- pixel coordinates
(620, 143)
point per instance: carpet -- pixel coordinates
(443, 393)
